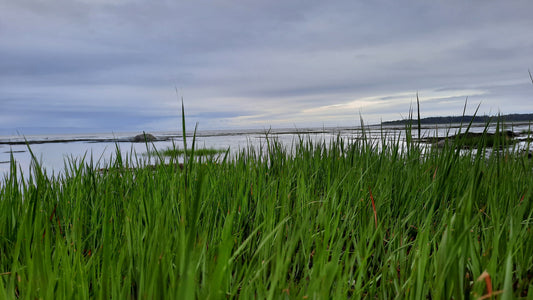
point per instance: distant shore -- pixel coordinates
(522, 118)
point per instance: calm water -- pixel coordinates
(101, 147)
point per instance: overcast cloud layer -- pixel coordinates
(113, 65)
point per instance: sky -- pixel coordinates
(75, 66)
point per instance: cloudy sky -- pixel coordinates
(122, 65)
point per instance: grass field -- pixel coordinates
(339, 220)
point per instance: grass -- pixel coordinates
(173, 151)
(344, 219)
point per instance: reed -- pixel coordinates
(337, 219)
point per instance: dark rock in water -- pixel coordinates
(473, 139)
(145, 137)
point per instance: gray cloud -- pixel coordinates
(257, 64)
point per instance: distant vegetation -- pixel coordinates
(465, 119)
(174, 152)
(467, 140)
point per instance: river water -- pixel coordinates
(53, 151)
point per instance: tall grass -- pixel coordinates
(344, 219)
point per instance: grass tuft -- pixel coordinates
(173, 152)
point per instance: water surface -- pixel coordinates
(52, 151)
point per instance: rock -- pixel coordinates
(144, 137)
(442, 143)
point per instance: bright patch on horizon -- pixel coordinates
(399, 99)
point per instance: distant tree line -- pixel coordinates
(465, 119)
